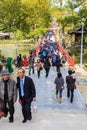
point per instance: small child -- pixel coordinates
(74, 75)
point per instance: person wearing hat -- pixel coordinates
(8, 94)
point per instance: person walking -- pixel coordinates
(27, 94)
(19, 61)
(59, 81)
(58, 63)
(31, 65)
(39, 67)
(70, 85)
(8, 94)
(63, 59)
(47, 66)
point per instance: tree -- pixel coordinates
(68, 14)
(9, 11)
(39, 16)
(29, 15)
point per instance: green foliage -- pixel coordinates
(71, 13)
(6, 42)
(33, 17)
(9, 9)
(26, 13)
(76, 50)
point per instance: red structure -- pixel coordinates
(37, 48)
(70, 60)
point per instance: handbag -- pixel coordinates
(20, 101)
(62, 87)
(41, 68)
(2, 114)
(34, 106)
(74, 86)
(1, 104)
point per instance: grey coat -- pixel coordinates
(12, 90)
(59, 82)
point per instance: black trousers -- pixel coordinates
(38, 73)
(26, 109)
(31, 68)
(58, 68)
(70, 93)
(47, 71)
(8, 106)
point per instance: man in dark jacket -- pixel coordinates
(27, 93)
(70, 85)
(58, 63)
(47, 66)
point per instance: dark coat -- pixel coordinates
(47, 64)
(59, 83)
(29, 88)
(70, 82)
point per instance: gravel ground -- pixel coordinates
(82, 81)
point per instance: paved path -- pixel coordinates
(51, 114)
(46, 98)
(47, 120)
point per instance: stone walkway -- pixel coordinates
(47, 120)
(82, 81)
(50, 114)
(46, 99)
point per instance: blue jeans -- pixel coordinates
(31, 68)
(70, 92)
(59, 92)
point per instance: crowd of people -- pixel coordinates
(48, 55)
